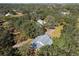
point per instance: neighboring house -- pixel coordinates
(41, 41)
(8, 14)
(65, 12)
(41, 22)
(18, 12)
(14, 15)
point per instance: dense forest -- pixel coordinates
(18, 23)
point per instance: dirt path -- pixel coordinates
(22, 43)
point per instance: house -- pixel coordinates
(41, 41)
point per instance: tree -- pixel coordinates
(6, 43)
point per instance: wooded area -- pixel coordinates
(19, 23)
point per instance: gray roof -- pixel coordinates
(41, 40)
